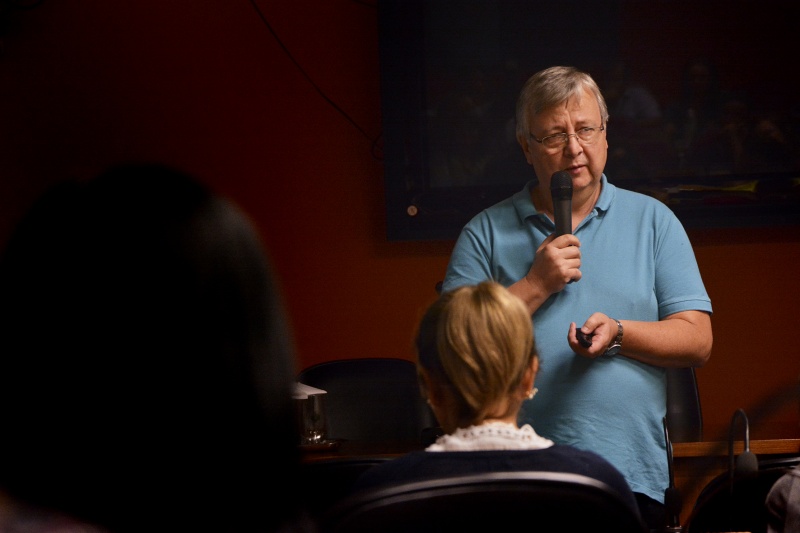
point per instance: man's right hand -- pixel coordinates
(556, 263)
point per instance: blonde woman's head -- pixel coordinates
(476, 354)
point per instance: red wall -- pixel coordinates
(286, 128)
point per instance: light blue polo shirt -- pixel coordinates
(637, 264)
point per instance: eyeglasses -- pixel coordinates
(557, 140)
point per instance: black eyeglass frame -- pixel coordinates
(565, 136)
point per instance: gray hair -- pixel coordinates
(550, 87)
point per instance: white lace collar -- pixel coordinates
(491, 436)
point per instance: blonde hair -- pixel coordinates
(551, 87)
(477, 340)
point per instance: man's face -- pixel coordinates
(584, 161)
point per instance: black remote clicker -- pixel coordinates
(583, 338)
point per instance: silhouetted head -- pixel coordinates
(146, 371)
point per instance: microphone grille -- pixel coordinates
(746, 464)
(561, 185)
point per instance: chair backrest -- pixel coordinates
(327, 481)
(738, 505)
(371, 399)
(684, 414)
(494, 501)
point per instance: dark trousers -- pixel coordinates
(653, 513)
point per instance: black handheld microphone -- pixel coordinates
(561, 190)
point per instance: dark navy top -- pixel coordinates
(422, 465)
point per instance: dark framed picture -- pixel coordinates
(702, 111)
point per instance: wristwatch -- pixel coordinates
(616, 344)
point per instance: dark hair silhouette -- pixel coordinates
(146, 369)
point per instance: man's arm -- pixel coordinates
(556, 263)
(679, 340)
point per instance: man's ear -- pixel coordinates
(525, 144)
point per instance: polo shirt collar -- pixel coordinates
(525, 208)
